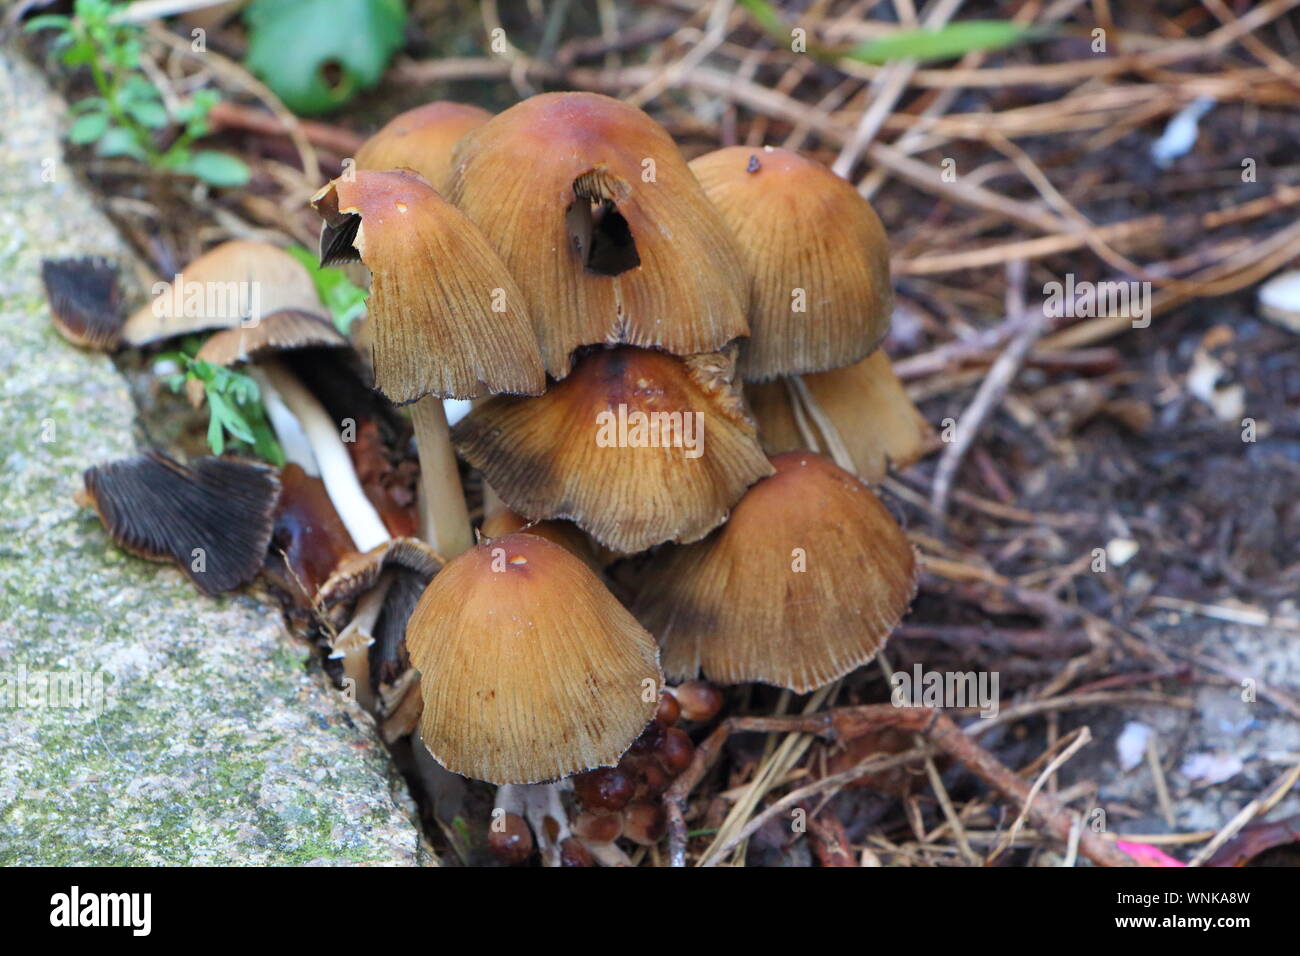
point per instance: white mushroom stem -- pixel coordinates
(354, 508)
(444, 516)
(606, 854)
(353, 643)
(536, 802)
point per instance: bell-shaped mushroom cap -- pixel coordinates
(596, 214)
(803, 584)
(85, 301)
(530, 669)
(815, 252)
(873, 416)
(279, 332)
(237, 283)
(446, 317)
(422, 139)
(212, 520)
(566, 534)
(636, 447)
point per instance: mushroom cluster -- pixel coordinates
(675, 370)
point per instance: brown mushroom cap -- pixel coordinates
(736, 606)
(422, 139)
(566, 534)
(530, 669)
(549, 457)
(230, 285)
(561, 186)
(437, 288)
(878, 424)
(806, 237)
(279, 332)
(308, 539)
(85, 301)
(212, 519)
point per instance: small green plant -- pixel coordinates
(128, 113)
(233, 399)
(345, 299)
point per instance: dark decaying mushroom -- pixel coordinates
(803, 584)
(211, 519)
(308, 539)
(594, 211)
(636, 447)
(530, 669)
(85, 301)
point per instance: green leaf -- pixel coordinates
(215, 169)
(121, 142)
(344, 298)
(148, 113)
(956, 39)
(48, 21)
(88, 128)
(292, 43)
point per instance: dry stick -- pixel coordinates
(1255, 808)
(1030, 324)
(844, 723)
(1082, 738)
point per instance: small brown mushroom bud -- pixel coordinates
(598, 827)
(510, 840)
(645, 822)
(675, 751)
(573, 853)
(699, 699)
(609, 788)
(669, 710)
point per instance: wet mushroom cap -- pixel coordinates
(530, 669)
(358, 573)
(422, 139)
(816, 253)
(878, 424)
(566, 534)
(85, 301)
(567, 454)
(238, 282)
(803, 584)
(594, 211)
(212, 519)
(446, 318)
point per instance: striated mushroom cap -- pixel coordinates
(422, 139)
(870, 410)
(816, 254)
(85, 301)
(803, 584)
(636, 447)
(237, 283)
(446, 318)
(595, 212)
(530, 669)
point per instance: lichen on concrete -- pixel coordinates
(186, 730)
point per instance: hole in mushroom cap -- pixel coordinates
(597, 230)
(338, 242)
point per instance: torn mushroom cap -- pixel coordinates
(530, 669)
(636, 447)
(212, 519)
(446, 317)
(816, 254)
(566, 534)
(803, 584)
(85, 301)
(594, 210)
(879, 425)
(422, 139)
(359, 573)
(237, 283)
(278, 332)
